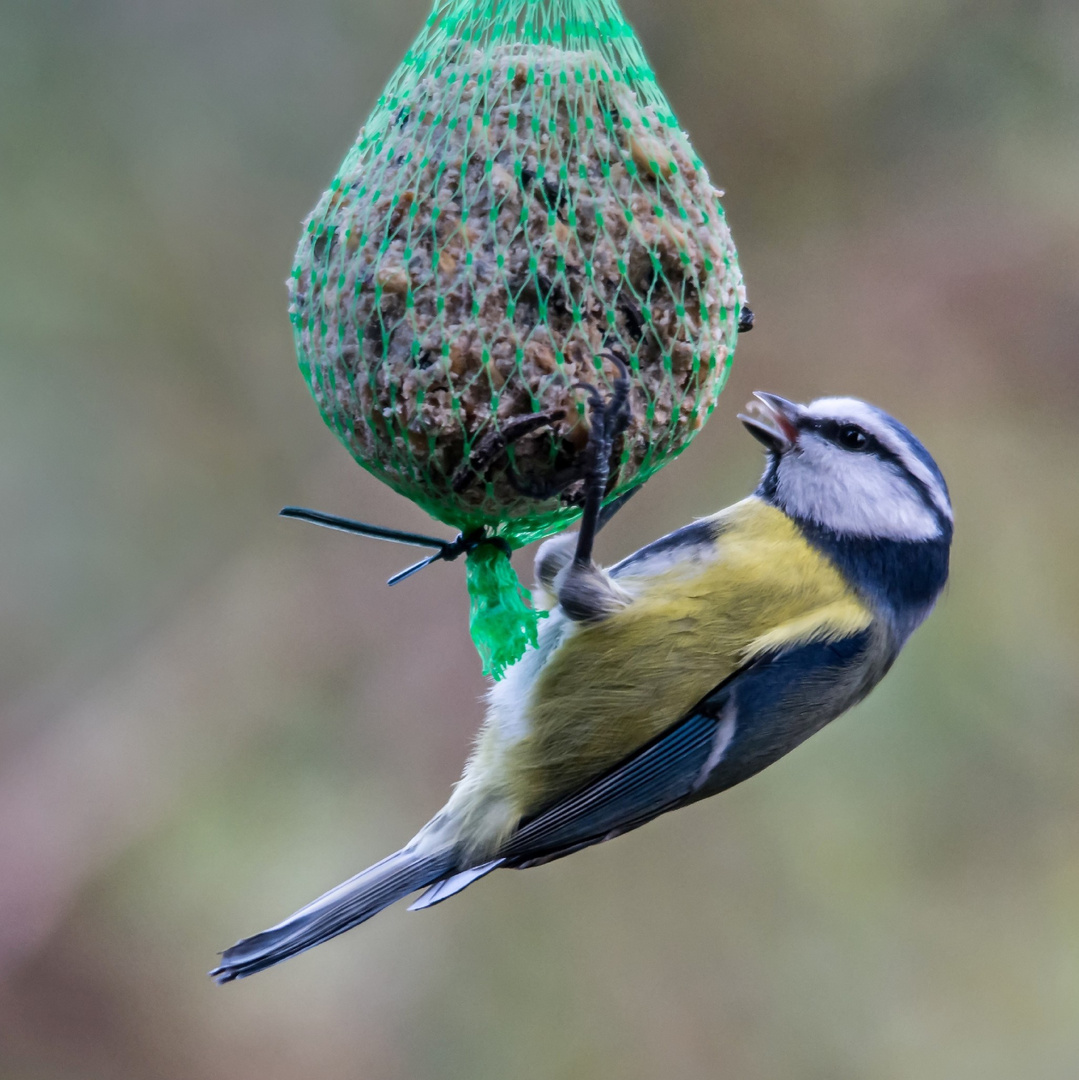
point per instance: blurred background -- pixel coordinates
(209, 715)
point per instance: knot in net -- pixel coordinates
(520, 207)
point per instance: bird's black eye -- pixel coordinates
(852, 437)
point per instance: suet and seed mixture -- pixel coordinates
(476, 266)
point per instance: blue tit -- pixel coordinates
(684, 669)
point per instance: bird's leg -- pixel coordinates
(608, 420)
(556, 554)
(584, 591)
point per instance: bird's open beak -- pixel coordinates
(773, 421)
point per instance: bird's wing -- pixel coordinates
(653, 780)
(703, 602)
(749, 720)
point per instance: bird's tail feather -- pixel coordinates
(351, 903)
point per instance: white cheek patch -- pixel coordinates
(853, 494)
(853, 411)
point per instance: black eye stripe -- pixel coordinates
(829, 429)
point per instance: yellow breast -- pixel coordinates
(611, 686)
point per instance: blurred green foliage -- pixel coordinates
(209, 715)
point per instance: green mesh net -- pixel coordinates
(520, 208)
